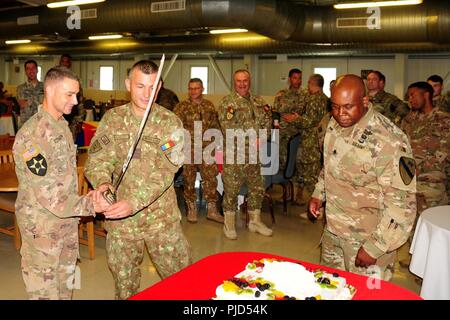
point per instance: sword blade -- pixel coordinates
(143, 122)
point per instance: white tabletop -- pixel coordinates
(430, 251)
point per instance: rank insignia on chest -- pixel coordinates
(407, 168)
(230, 112)
(167, 145)
(37, 165)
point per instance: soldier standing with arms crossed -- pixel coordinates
(428, 130)
(31, 93)
(197, 109)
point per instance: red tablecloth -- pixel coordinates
(199, 280)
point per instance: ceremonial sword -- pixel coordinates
(109, 194)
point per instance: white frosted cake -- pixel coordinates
(269, 279)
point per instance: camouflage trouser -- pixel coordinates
(341, 253)
(234, 176)
(309, 174)
(48, 263)
(209, 174)
(168, 248)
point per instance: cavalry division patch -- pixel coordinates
(38, 165)
(407, 168)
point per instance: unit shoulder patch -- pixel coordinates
(37, 165)
(407, 168)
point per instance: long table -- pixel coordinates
(199, 280)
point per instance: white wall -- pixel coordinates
(271, 73)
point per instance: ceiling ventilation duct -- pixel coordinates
(427, 24)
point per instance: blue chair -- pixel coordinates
(284, 178)
(281, 177)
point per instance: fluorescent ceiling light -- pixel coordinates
(61, 4)
(17, 41)
(106, 37)
(227, 31)
(376, 4)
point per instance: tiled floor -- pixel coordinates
(293, 237)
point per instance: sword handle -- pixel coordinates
(109, 196)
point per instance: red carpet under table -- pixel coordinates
(199, 280)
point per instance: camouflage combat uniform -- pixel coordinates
(45, 158)
(34, 95)
(429, 135)
(147, 186)
(237, 112)
(442, 102)
(205, 114)
(167, 98)
(77, 116)
(288, 101)
(390, 106)
(308, 156)
(368, 183)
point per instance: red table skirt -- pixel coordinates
(199, 280)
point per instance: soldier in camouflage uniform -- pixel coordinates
(385, 103)
(31, 93)
(368, 182)
(144, 213)
(428, 130)
(439, 100)
(308, 157)
(197, 109)
(78, 114)
(243, 111)
(288, 101)
(45, 158)
(167, 98)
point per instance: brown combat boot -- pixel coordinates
(298, 191)
(191, 212)
(229, 228)
(213, 214)
(256, 225)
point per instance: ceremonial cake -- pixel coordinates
(269, 279)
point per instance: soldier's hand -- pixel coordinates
(119, 210)
(289, 117)
(23, 103)
(100, 203)
(314, 209)
(363, 259)
(366, 102)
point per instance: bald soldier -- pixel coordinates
(48, 199)
(145, 214)
(368, 182)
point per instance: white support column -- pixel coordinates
(169, 67)
(251, 62)
(401, 60)
(218, 72)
